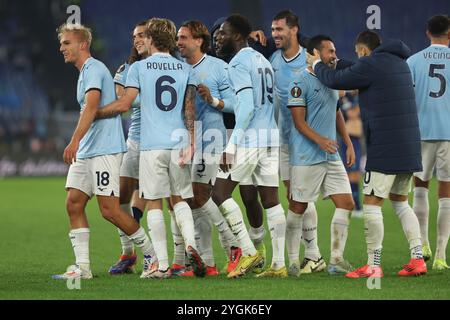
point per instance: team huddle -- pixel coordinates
(209, 113)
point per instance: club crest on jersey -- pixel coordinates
(121, 69)
(296, 92)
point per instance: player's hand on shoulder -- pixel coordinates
(259, 36)
(312, 58)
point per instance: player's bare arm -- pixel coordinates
(84, 123)
(189, 121)
(123, 104)
(342, 130)
(120, 90)
(258, 35)
(299, 117)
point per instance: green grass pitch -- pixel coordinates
(34, 245)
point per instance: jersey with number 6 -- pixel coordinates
(249, 70)
(162, 81)
(430, 69)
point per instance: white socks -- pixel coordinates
(127, 243)
(178, 242)
(203, 236)
(421, 209)
(443, 227)
(80, 244)
(142, 241)
(157, 230)
(183, 216)
(309, 233)
(276, 221)
(226, 237)
(374, 232)
(410, 225)
(257, 234)
(233, 215)
(339, 232)
(294, 223)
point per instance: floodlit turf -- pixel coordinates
(34, 245)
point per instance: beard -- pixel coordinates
(226, 50)
(332, 64)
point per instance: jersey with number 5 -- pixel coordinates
(249, 70)
(162, 81)
(430, 69)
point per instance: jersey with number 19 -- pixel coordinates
(255, 134)
(250, 70)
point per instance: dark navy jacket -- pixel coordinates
(388, 107)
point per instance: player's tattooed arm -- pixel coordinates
(189, 111)
(119, 106)
(187, 154)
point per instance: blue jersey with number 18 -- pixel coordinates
(430, 69)
(162, 81)
(104, 136)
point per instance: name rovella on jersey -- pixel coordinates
(164, 66)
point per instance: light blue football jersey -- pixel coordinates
(285, 71)
(134, 131)
(255, 122)
(213, 73)
(430, 69)
(320, 103)
(162, 81)
(104, 136)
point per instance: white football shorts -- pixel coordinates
(160, 176)
(96, 176)
(326, 178)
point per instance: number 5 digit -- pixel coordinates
(441, 78)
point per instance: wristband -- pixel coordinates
(215, 102)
